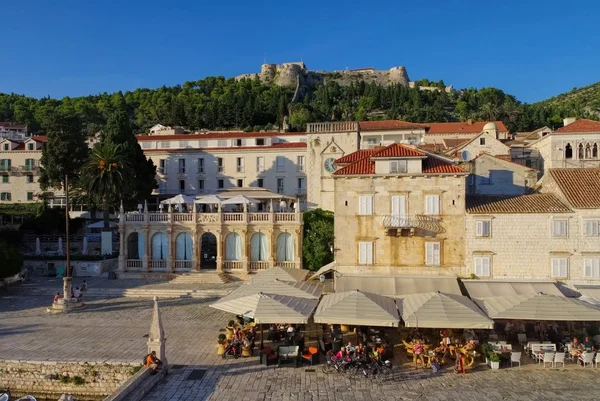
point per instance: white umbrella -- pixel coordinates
(60, 247)
(209, 200)
(240, 200)
(84, 251)
(178, 199)
(38, 249)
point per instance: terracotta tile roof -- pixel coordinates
(582, 125)
(461, 128)
(12, 125)
(398, 150)
(20, 146)
(431, 147)
(356, 156)
(505, 158)
(366, 165)
(216, 135)
(40, 138)
(388, 124)
(283, 145)
(454, 142)
(581, 186)
(536, 203)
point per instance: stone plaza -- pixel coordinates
(114, 330)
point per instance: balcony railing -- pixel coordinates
(256, 265)
(134, 264)
(287, 263)
(28, 168)
(397, 221)
(259, 217)
(230, 265)
(233, 216)
(5, 169)
(158, 217)
(285, 217)
(182, 217)
(206, 218)
(183, 264)
(158, 264)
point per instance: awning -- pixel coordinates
(500, 288)
(276, 286)
(329, 267)
(256, 193)
(270, 308)
(538, 307)
(590, 291)
(438, 310)
(397, 285)
(357, 308)
(282, 273)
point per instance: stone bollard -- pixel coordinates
(156, 336)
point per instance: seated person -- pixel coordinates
(77, 294)
(57, 296)
(84, 286)
(588, 344)
(470, 346)
(441, 351)
(576, 347)
(153, 362)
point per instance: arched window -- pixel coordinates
(233, 247)
(183, 247)
(595, 151)
(568, 151)
(580, 151)
(135, 246)
(259, 247)
(285, 247)
(160, 247)
(588, 151)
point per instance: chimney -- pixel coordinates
(569, 120)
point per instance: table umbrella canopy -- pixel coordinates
(270, 308)
(357, 308)
(209, 200)
(539, 307)
(438, 310)
(277, 287)
(178, 199)
(282, 273)
(240, 200)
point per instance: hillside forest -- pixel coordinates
(217, 103)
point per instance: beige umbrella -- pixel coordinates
(539, 307)
(277, 287)
(357, 308)
(282, 273)
(438, 310)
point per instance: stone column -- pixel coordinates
(171, 258)
(298, 249)
(219, 236)
(272, 244)
(156, 336)
(245, 264)
(123, 249)
(147, 249)
(197, 244)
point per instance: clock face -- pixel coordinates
(329, 166)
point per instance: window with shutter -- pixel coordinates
(432, 253)
(483, 266)
(365, 205)
(592, 228)
(365, 253)
(591, 267)
(560, 267)
(482, 228)
(560, 228)
(432, 205)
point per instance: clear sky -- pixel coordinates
(533, 49)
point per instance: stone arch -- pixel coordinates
(184, 249)
(580, 153)
(233, 246)
(259, 247)
(135, 246)
(285, 247)
(588, 151)
(160, 246)
(595, 151)
(568, 151)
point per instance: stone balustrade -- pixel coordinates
(249, 217)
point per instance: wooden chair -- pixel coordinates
(229, 333)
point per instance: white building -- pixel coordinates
(497, 175)
(16, 132)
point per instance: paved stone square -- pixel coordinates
(114, 330)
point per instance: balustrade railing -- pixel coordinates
(158, 264)
(183, 217)
(285, 217)
(238, 217)
(183, 264)
(133, 217)
(162, 217)
(397, 221)
(259, 217)
(252, 217)
(134, 264)
(230, 265)
(256, 265)
(286, 263)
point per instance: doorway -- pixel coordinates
(208, 251)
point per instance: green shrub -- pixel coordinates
(493, 357)
(135, 369)
(78, 381)
(11, 260)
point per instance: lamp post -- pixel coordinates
(67, 279)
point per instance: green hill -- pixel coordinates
(584, 100)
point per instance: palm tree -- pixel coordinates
(107, 176)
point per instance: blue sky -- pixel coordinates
(533, 49)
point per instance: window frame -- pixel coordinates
(592, 222)
(398, 164)
(280, 188)
(220, 183)
(280, 168)
(260, 164)
(181, 166)
(437, 212)
(559, 259)
(239, 164)
(29, 195)
(365, 205)
(260, 182)
(366, 253)
(238, 181)
(430, 260)
(560, 234)
(593, 263)
(201, 165)
(300, 160)
(480, 231)
(482, 258)
(220, 165)
(180, 186)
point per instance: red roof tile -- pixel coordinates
(536, 203)
(581, 186)
(388, 125)
(366, 165)
(40, 138)
(12, 125)
(356, 156)
(454, 142)
(282, 145)
(216, 135)
(582, 125)
(461, 128)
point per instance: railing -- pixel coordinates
(259, 217)
(287, 263)
(158, 264)
(28, 168)
(259, 265)
(5, 169)
(135, 264)
(209, 217)
(183, 264)
(229, 265)
(417, 221)
(285, 217)
(161, 217)
(233, 217)
(180, 217)
(134, 217)
(336, 126)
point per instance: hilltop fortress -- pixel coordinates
(296, 74)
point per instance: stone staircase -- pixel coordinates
(200, 278)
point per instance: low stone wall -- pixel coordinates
(82, 268)
(51, 379)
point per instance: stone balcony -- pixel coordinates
(412, 223)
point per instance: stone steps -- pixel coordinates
(138, 292)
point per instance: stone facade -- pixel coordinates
(54, 378)
(482, 143)
(490, 175)
(400, 251)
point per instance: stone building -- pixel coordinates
(497, 175)
(438, 132)
(224, 239)
(398, 211)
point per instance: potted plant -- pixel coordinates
(494, 360)
(485, 349)
(221, 344)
